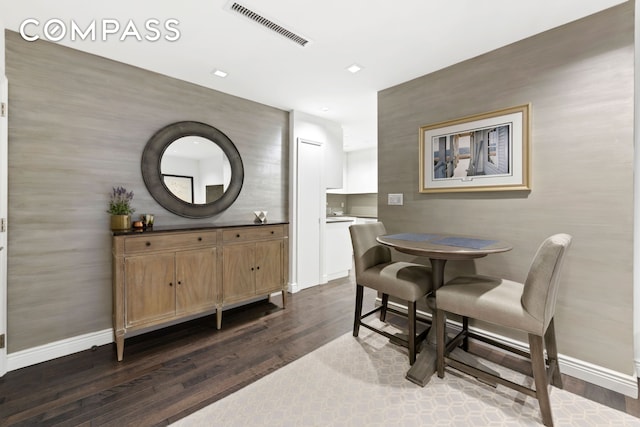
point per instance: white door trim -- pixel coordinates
(4, 172)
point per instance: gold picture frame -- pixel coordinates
(484, 152)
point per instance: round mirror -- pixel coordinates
(192, 169)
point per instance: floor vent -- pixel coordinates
(267, 23)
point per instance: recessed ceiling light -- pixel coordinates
(325, 109)
(354, 68)
(220, 73)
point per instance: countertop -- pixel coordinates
(194, 227)
(339, 219)
(347, 217)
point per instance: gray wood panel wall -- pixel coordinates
(77, 127)
(579, 81)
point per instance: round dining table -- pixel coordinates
(439, 248)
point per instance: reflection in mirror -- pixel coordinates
(195, 169)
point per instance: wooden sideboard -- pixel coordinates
(166, 274)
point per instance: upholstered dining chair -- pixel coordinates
(403, 280)
(528, 307)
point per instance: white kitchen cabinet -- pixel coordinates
(343, 189)
(361, 220)
(334, 159)
(360, 172)
(338, 249)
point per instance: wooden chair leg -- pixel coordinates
(358, 312)
(439, 320)
(411, 306)
(552, 354)
(383, 310)
(540, 378)
(465, 328)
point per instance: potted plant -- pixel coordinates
(120, 208)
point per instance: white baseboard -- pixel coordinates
(43, 353)
(604, 377)
(338, 275)
(293, 288)
(594, 374)
(32, 356)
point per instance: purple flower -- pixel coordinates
(120, 202)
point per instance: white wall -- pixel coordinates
(2, 66)
(636, 197)
(214, 170)
(329, 134)
(314, 128)
(3, 205)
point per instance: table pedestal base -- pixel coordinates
(426, 363)
(426, 360)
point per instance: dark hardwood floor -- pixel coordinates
(170, 373)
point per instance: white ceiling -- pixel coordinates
(394, 41)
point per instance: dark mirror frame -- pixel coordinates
(152, 175)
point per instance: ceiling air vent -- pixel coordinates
(267, 23)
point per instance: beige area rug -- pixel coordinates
(361, 382)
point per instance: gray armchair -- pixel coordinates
(528, 307)
(403, 280)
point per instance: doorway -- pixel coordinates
(308, 213)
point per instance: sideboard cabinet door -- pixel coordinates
(238, 272)
(269, 266)
(149, 291)
(251, 270)
(196, 278)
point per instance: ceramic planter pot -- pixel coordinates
(120, 222)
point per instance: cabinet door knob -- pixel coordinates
(252, 268)
(258, 268)
(237, 235)
(179, 282)
(148, 243)
(273, 232)
(199, 239)
(170, 283)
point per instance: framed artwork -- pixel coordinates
(484, 152)
(180, 185)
